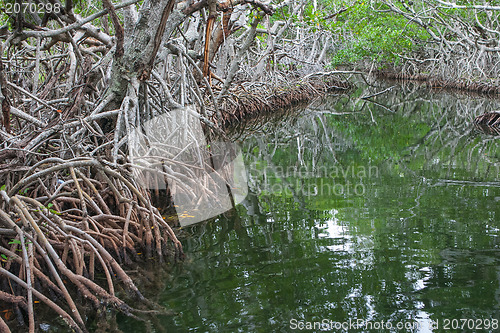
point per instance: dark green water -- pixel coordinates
(371, 213)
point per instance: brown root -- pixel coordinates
(488, 123)
(439, 83)
(60, 238)
(256, 101)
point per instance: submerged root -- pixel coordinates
(74, 206)
(63, 223)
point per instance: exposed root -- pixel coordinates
(438, 83)
(72, 207)
(59, 215)
(488, 123)
(252, 100)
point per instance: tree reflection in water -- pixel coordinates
(420, 244)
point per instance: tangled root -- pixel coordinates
(66, 220)
(255, 101)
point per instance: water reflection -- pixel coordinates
(333, 230)
(419, 244)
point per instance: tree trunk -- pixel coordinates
(141, 47)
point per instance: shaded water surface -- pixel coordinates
(384, 211)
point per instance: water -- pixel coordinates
(366, 213)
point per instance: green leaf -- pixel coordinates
(4, 256)
(2, 188)
(15, 241)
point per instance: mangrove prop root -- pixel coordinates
(65, 218)
(440, 83)
(70, 207)
(48, 241)
(252, 101)
(488, 123)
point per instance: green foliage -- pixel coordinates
(15, 241)
(25, 191)
(18, 242)
(360, 30)
(4, 258)
(370, 31)
(49, 208)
